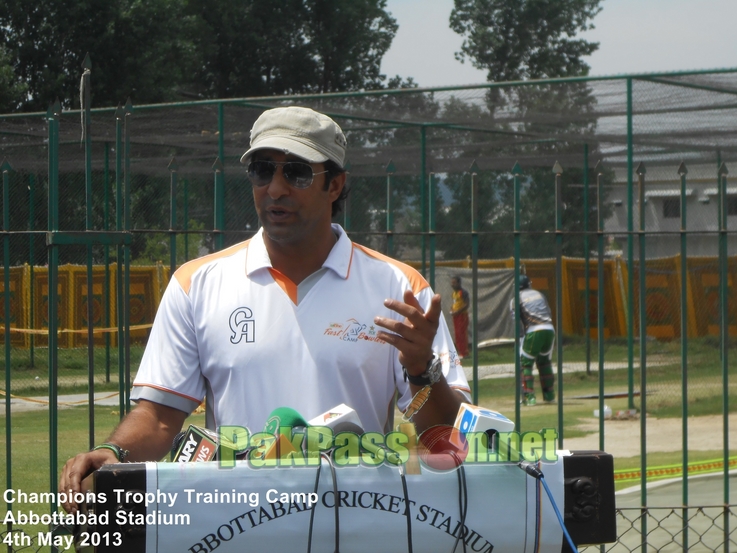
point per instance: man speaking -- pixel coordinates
(297, 316)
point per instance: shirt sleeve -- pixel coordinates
(169, 372)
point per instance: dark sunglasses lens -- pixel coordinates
(298, 174)
(260, 173)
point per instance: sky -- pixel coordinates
(634, 36)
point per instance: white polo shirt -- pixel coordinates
(232, 329)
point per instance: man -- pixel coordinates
(298, 316)
(459, 312)
(537, 344)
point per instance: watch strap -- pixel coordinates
(119, 452)
(424, 379)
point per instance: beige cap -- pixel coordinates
(300, 131)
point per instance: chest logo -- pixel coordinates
(242, 326)
(352, 331)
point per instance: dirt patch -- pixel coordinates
(622, 437)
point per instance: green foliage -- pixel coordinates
(12, 92)
(158, 246)
(527, 39)
(162, 50)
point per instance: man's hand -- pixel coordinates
(77, 468)
(414, 336)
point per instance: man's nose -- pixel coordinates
(278, 186)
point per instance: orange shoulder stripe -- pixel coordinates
(417, 281)
(184, 273)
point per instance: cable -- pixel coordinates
(462, 502)
(325, 456)
(537, 474)
(407, 505)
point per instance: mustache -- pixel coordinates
(278, 204)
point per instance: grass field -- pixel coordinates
(30, 431)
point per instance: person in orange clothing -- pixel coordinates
(459, 312)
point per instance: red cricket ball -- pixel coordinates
(442, 447)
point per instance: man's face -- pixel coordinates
(289, 214)
(455, 284)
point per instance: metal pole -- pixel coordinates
(5, 168)
(423, 195)
(390, 170)
(630, 254)
(643, 351)
(600, 294)
(217, 167)
(475, 277)
(87, 66)
(106, 286)
(431, 227)
(724, 328)
(586, 257)
(185, 216)
(32, 259)
(53, 279)
(127, 254)
(119, 285)
(558, 171)
(517, 172)
(173, 167)
(682, 171)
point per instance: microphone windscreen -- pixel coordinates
(283, 417)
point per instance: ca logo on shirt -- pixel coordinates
(242, 325)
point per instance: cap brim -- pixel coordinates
(288, 146)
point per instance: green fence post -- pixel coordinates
(586, 256)
(630, 254)
(173, 168)
(517, 172)
(86, 128)
(106, 286)
(347, 204)
(53, 277)
(682, 171)
(431, 226)
(185, 216)
(119, 285)
(219, 225)
(599, 169)
(6, 168)
(390, 170)
(423, 195)
(558, 172)
(475, 277)
(32, 258)
(643, 350)
(724, 328)
(127, 253)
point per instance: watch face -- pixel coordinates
(435, 370)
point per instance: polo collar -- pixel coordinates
(338, 261)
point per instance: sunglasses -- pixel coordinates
(296, 173)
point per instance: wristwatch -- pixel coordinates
(119, 452)
(432, 373)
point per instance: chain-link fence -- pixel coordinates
(461, 177)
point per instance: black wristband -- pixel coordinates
(119, 452)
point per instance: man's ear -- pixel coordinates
(335, 187)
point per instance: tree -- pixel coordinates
(139, 48)
(525, 39)
(12, 92)
(532, 39)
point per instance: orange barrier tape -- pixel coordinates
(674, 470)
(73, 331)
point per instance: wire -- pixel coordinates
(407, 506)
(337, 505)
(537, 474)
(462, 503)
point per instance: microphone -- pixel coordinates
(195, 445)
(281, 424)
(472, 418)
